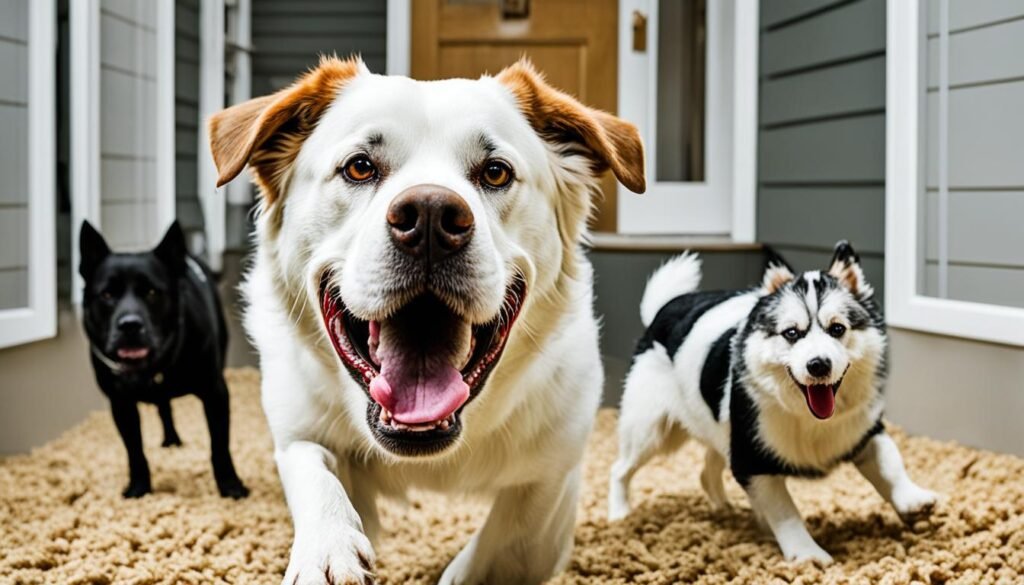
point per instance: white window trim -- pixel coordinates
(399, 33)
(86, 201)
(684, 208)
(39, 319)
(211, 100)
(903, 187)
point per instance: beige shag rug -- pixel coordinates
(63, 521)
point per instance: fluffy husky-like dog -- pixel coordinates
(421, 304)
(780, 380)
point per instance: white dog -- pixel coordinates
(421, 305)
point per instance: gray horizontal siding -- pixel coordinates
(128, 123)
(985, 170)
(13, 154)
(970, 14)
(848, 31)
(186, 113)
(290, 35)
(821, 143)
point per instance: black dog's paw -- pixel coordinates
(232, 488)
(174, 441)
(136, 489)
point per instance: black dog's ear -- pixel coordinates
(171, 250)
(93, 248)
(845, 267)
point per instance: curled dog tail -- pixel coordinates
(678, 276)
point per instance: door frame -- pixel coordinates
(694, 208)
(744, 44)
(85, 144)
(38, 320)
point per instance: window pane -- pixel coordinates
(14, 154)
(973, 199)
(682, 46)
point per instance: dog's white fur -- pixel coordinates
(524, 434)
(662, 405)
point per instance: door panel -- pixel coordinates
(573, 42)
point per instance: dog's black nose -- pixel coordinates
(130, 323)
(430, 222)
(819, 367)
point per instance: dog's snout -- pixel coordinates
(819, 367)
(130, 323)
(430, 222)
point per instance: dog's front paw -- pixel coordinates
(232, 488)
(812, 552)
(346, 559)
(136, 489)
(913, 502)
(173, 441)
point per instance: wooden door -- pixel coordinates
(573, 42)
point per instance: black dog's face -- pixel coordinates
(130, 305)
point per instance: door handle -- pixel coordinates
(639, 32)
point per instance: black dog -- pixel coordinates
(157, 331)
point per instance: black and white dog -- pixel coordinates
(780, 380)
(157, 331)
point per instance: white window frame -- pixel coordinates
(211, 100)
(725, 203)
(85, 124)
(39, 319)
(904, 182)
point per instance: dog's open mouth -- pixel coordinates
(821, 398)
(420, 366)
(132, 354)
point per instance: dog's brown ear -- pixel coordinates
(267, 132)
(776, 275)
(611, 142)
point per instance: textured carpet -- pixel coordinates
(62, 520)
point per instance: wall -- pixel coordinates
(13, 158)
(288, 36)
(821, 153)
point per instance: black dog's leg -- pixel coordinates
(171, 438)
(126, 417)
(218, 415)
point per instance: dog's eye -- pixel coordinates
(496, 174)
(359, 169)
(836, 329)
(791, 334)
(152, 294)
(107, 295)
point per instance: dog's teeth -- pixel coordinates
(444, 425)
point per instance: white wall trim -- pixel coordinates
(724, 204)
(240, 192)
(166, 163)
(399, 37)
(85, 127)
(211, 100)
(904, 178)
(747, 42)
(39, 319)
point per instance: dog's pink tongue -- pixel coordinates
(418, 388)
(821, 400)
(420, 351)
